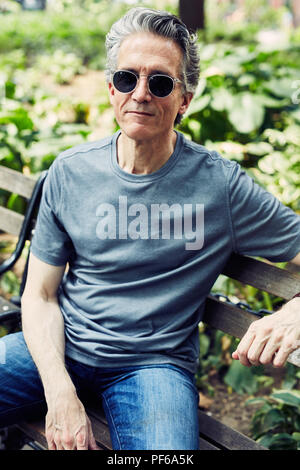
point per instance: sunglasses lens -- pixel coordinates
(161, 85)
(124, 81)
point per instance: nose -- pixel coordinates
(141, 92)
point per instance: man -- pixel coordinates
(145, 221)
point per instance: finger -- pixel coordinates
(272, 346)
(257, 349)
(68, 441)
(283, 352)
(268, 353)
(50, 439)
(51, 444)
(241, 352)
(58, 440)
(82, 440)
(235, 355)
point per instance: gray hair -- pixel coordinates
(164, 24)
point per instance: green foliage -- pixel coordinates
(61, 65)
(246, 108)
(224, 20)
(246, 380)
(215, 348)
(9, 283)
(73, 30)
(276, 424)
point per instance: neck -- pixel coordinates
(144, 157)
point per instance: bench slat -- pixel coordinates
(101, 431)
(10, 222)
(5, 305)
(214, 435)
(227, 317)
(16, 182)
(223, 436)
(35, 430)
(263, 276)
(205, 445)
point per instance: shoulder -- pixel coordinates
(211, 158)
(85, 149)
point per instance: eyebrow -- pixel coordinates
(153, 72)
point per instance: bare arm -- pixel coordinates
(67, 426)
(271, 339)
(296, 260)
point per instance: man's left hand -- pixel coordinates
(271, 339)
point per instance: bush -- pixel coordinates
(246, 107)
(276, 424)
(73, 30)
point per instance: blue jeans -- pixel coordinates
(147, 407)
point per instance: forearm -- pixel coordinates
(67, 425)
(43, 329)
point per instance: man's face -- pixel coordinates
(141, 115)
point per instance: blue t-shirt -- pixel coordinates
(144, 250)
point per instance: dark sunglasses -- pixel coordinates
(159, 85)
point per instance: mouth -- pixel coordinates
(139, 113)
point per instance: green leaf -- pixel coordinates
(255, 401)
(270, 102)
(221, 99)
(272, 420)
(197, 105)
(19, 117)
(204, 344)
(10, 283)
(282, 441)
(246, 79)
(265, 440)
(16, 204)
(288, 397)
(247, 113)
(241, 378)
(258, 148)
(292, 134)
(296, 115)
(281, 87)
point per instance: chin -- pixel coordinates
(140, 132)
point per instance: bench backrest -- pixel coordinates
(17, 183)
(264, 276)
(218, 314)
(12, 222)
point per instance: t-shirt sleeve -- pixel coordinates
(262, 226)
(51, 243)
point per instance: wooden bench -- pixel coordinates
(221, 315)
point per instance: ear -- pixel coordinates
(111, 92)
(186, 99)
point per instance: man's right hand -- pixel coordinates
(67, 424)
